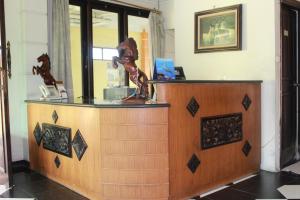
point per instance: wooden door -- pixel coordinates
(289, 85)
(5, 147)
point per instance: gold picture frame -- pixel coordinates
(218, 29)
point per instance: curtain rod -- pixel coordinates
(137, 6)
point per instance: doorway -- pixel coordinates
(5, 145)
(290, 84)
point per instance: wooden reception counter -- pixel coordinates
(206, 134)
(214, 133)
(122, 148)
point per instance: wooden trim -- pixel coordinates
(292, 3)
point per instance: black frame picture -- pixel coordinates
(218, 29)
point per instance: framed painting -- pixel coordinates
(218, 29)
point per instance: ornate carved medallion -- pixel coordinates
(57, 139)
(219, 130)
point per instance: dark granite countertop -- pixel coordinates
(94, 103)
(204, 81)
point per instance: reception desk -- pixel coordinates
(124, 147)
(205, 134)
(219, 138)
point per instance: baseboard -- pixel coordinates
(20, 166)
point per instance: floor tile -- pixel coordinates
(15, 193)
(264, 186)
(33, 185)
(27, 177)
(231, 194)
(40, 186)
(290, 191)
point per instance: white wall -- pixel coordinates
(17, 84)
(255, 62)
(26, 29)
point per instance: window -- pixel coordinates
(100, 53)
(76, 50)
(109, 53)
(96, 30)
(97, 53)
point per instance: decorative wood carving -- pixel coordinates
(219, 130)
(57, 162)
(128, 54)
(246, 102)
(54, 116)
(44, 70)
(193, 163)
(57, 139)
(38, 134)
(246, 148)
(79, 145)
(193, 106)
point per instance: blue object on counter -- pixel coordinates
(164, 69)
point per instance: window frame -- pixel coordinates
(102, 52)
(86, 7)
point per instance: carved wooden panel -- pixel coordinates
(57, 139)
(219, 130)
(79, 145)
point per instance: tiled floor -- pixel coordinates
(33, 185)
(262, 186)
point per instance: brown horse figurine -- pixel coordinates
(44, 70)
(128, 54)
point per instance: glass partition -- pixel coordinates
(138, 28)
(106, 38)
(75, 37)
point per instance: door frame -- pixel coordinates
(5, 110)
(279, 65)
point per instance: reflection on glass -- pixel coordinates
(105, 36)
(97, 53)
(75, 37)
(138, 28)
(109, 53)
